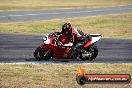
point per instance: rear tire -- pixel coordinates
(39, 54)
(94, 52)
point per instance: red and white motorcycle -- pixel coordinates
(53, 48)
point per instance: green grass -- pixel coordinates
(57, 75)
(110, 26)
(53, 4)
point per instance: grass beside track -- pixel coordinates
(57, 75)
(55, 4)
(110, 26)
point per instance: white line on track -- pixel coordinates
(64, 12)
(57, 63)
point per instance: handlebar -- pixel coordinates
(54, 34)
(58, 43)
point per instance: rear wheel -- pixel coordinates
(94, 52)
(90, 53)
(39, 54)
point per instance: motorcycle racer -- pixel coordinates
(69, 34)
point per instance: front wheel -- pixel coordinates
(39, 54)
(90, 53)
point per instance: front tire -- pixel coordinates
(39, 54)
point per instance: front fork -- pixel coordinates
(48, 51)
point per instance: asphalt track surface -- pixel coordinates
(21, 16)
(16, 48)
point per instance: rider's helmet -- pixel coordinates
(66, 29)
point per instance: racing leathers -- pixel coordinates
(75, 37)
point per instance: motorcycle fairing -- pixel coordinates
(58, 51)
(46, 39)
(93, 38)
